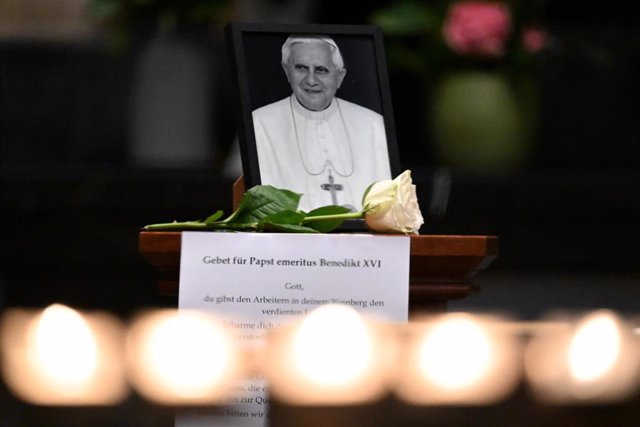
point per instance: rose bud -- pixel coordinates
(391, 206)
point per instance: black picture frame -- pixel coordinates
(255, 62)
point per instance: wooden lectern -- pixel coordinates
(441, 266)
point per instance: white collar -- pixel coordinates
(314, 115)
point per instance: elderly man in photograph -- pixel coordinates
(313, 142)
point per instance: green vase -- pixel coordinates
(482, 121)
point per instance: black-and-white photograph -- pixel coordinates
(316, 111)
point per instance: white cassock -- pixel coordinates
(298, 149)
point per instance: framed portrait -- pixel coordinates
(315, 109)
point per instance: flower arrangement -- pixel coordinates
(389, 206)
(474, 61)
(438, 35)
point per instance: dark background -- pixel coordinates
(73, 200)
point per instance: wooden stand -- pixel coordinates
(440, 269)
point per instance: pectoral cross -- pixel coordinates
(333, 187)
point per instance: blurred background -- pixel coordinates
(119, 113)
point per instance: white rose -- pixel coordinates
(391, 206)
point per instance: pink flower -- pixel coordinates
(534, 39)
(478, 28)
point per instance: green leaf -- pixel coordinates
(213, 218)
(326, 225)
(286, 221)
(285, 217)
(287, 228)
(263, 200)
(328, 210)
(252, 226)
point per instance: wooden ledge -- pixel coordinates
(441, 266)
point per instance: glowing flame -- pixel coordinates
(181, 357)
(593, 360)
(59, 356)
(457, 359)
(594, 348)
(63, 348)
(333, 346)
(456, 353)
(332, 357)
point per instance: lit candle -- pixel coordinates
(333, 356)
(60, 356)
(591, 360)
(181, 357)
(457, 359)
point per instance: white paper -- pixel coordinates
(257, 282)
